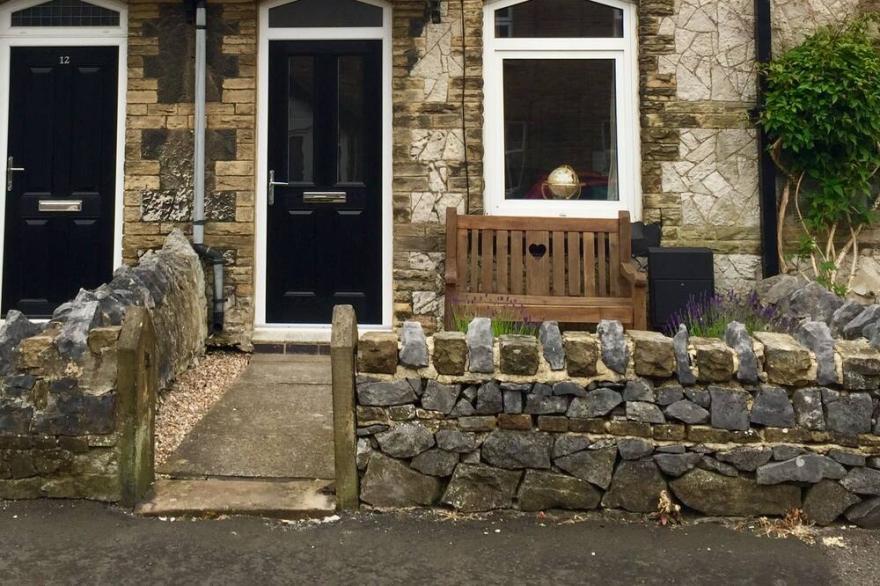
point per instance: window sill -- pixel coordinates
(561, 209)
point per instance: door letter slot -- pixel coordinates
(60, 205)
(324, 197)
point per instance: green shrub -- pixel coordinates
(822, 112)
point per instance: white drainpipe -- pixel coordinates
(212, 256)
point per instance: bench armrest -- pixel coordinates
(635, 277)
(451, 275)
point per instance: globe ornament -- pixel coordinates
(562, 183)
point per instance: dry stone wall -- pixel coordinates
(69, 403)
(751, 425)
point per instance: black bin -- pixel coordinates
(674, 275)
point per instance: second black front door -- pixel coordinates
(324, 244)
(60, 175)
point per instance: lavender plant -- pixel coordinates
(707, 315)
(512, 318)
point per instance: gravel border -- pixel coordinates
(192, 395)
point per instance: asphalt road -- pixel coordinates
(48, 542)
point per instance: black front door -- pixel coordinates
(60, 175)
(325, 195)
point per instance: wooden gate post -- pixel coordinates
(137, 388)
(343, 351)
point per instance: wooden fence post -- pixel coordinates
(343, 351)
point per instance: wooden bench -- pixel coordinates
(564, 269)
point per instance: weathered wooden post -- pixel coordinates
(137, 388)
(343, 351)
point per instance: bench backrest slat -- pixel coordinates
(548, 257)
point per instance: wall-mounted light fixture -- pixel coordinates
(432, 11)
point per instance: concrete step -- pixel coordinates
(284, 499)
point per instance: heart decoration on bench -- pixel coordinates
(537, 250)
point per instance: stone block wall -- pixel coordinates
(77, 393)
(745, 426)
(438, 144)
(699, 150)
(159, 139)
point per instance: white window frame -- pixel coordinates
(624, 53)
(66, 36)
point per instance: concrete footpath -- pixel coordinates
(48, 542)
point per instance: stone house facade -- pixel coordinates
(678, 147)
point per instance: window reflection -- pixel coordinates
(560, 112)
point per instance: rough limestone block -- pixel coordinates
(391, 483)
(716, 494)
(541, 491)
(581, 353)
(737, 337)
(847, 413)
(816, 336)
(714, 360)
(450, 353)
(815, 302)
(519, 354)
(615, 352)
(653, 354)
(377, 352)
(479, 343)
(680, 343)
(551, 343)
(772, 408)
(730, 409)
(477, 487)
(16, 328)
(786, 362)
(442, 398)
(808, 468)
(808, 409)
(860, 364)
(413, 345)
(855, 328)
(843, 315)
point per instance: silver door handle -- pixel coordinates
(272, 184)
(11, 169)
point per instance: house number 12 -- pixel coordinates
(64, 59)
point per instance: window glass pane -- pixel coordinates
(559, 18)
(350, 158)
(560, 112)
(317, 13)
(65, 13)
(301, 118)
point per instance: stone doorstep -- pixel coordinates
(296, 348)
(289, 499)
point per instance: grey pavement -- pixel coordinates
(274, 422)
(49, 542)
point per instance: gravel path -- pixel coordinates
(192, 395)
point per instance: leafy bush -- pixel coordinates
(512, 318)
(822, 112)
(708, 315)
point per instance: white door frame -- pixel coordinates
(80, 36)
(318, 332)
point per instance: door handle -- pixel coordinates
(272, 185)
(11, 169)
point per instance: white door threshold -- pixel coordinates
(268, 334)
